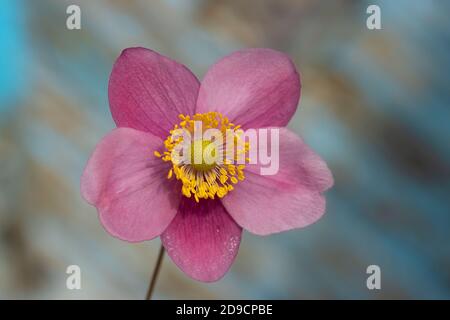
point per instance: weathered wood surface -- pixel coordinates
(375, 105)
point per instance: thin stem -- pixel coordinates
(152, 284)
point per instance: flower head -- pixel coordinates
(155, 176)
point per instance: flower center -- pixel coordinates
(204, 150)
(207, 154)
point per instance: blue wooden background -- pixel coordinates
(375, 105)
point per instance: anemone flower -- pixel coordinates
(200, 209)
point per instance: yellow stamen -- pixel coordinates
(208, 173)
(157, 154)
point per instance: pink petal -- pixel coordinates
(147, 91)
(203, 239)
(128, 185)
(292, 198)
(253, 88)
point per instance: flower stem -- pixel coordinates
(152, 284)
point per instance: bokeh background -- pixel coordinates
(375, 105)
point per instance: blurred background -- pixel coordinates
(375, 106)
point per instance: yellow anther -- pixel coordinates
(205, 175)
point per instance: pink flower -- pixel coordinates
(140, 193)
